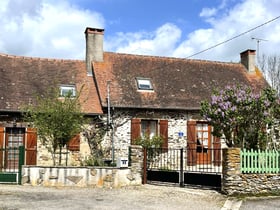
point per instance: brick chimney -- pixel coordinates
(94, 47)
(248, 60)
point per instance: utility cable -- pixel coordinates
(216, 45)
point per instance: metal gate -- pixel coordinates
(185, 166)
(11, 161)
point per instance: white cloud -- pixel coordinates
(230, 23)
(54, 28)
(42, 29)
(208, 12)
(160, 42)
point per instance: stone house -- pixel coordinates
(137, 94)
(21, 79)
(162, 95)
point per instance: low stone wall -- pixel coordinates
(234, 182)
(108, 177)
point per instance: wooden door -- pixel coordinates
(14, 139)
(203, 144)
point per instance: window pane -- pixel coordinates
(205, 127)
(205, 143)
(153, 129)
(144, 128)
(65, 90)
(144, 84)
(205, 135)
(149, 128)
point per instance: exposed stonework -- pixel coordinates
(234, 182)
(177, 122)
(74, 158)
(107, 177)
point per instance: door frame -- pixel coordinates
(193, 150)
(203, 151)
(12, 152)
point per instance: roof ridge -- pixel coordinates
(38, 58)
(172, 58)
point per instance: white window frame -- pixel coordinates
(144, 83)
(64, 89)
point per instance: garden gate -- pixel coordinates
(185, 166)
(11, 161)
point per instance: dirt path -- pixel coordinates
(142, 197)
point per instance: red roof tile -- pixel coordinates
(178, 83)
(21, 78)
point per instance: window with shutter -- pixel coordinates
(201, 149)
(150, 128)
(74, 143)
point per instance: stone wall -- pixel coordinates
(234, 182)
(107, 177)
(177, 122)
(74, 158)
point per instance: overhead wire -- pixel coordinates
(216, 45)
(221, 43)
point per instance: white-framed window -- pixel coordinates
(67, 89)
(144, 83)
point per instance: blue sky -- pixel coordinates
(139, 15)
(174, 28)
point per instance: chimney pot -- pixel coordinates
(94, 47)
(248, 60)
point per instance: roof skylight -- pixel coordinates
(144, 84)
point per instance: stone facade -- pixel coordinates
(107, 177)
(177, 122)
(73, 158)
(234, 182)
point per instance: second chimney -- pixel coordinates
(94, 47)
(248, 60)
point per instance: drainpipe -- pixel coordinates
(110, 121)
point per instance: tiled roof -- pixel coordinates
(178, 83)
(21, 78)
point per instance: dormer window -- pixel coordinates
(66, 90)
(144, 84)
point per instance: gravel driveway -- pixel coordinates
(141, 197)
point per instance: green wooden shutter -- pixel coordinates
(135, 129)
(163, 129)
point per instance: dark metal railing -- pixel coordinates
(207, 160)
(11, 161)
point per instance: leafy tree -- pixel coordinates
(240, 115)
(56, 118)
(94, 135)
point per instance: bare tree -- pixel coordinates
(270, 66)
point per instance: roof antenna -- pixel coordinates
(258, 44)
